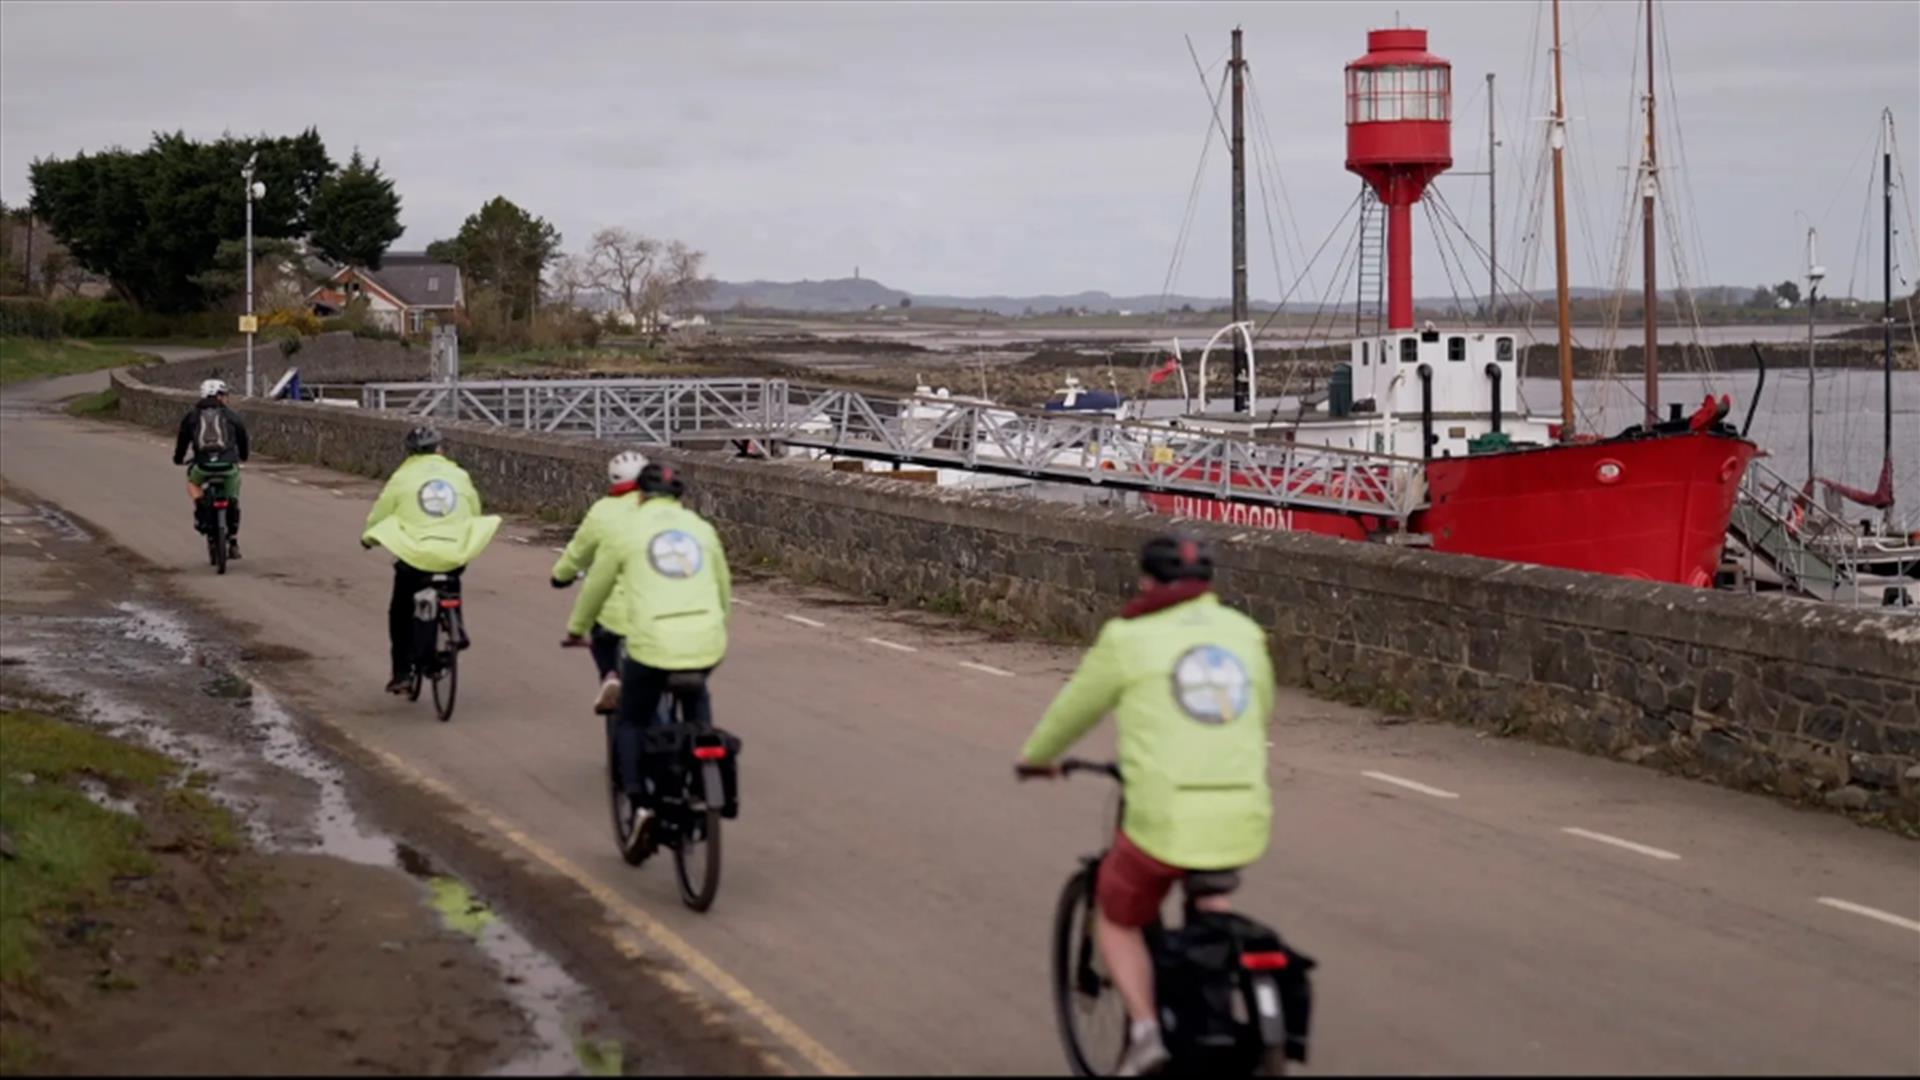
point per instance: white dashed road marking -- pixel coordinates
(894, 645)
(986, 669)
(742, 603)
(1410, 785)
(804, 621)
(1871, 913)
(1651, 852)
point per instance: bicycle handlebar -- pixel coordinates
(1066, 767)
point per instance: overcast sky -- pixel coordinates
(987, 148)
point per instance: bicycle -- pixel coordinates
(437, 652)
(1233, 998)
(215, 498)
(692, 773)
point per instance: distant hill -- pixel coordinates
(845, 295)
(838, 295)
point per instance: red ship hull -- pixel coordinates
(1651, 508)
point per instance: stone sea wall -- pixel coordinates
(1814, 702)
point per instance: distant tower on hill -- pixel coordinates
(856, 271)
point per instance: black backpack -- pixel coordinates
(212, 435)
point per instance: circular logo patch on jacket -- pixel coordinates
(1211, 684)
(438, 498)
(675, 554)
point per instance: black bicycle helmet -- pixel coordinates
(422, 439)
(1174, 557)
(661, 479)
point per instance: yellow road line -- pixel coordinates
(788, 1032)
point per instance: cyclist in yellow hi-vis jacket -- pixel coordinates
(1190, 685)
(606, 517)
(678, 592)
(429, 517)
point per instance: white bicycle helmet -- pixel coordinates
(212, 388)
(625, 467)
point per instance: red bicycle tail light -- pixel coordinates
(1264, 961)
(449, 603)
(709, 753)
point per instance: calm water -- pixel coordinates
(1848, 420)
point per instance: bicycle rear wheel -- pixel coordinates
(446, 675)
(696, 858)
(1087, 1006)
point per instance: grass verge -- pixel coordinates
(61, 852)
(103, 404)
(172, 342)
(623, 358)
(30, 358)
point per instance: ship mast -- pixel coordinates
(1558, 139)
(1242, 391)
(1886, 314)
(1649, 265)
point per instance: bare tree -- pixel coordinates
(651, 277)
(686, 285)
(622, 261)
(567, 278)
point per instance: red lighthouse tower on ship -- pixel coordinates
(1399, 138)
(1436, 414)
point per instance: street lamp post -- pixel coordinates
(254, 191)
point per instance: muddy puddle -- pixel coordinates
(141, 674)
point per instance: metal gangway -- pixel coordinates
(1815, 552)
(775, 416)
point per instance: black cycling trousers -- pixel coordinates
(605, 645)
(408, 637)
(641, 689)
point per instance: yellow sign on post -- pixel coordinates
(249, 324)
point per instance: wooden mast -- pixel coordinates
(1558, 139)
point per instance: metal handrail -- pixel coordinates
(927, 430)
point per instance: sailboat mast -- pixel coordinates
(1493, 217)
(1649, 264)
(1242, 392)
(1559, 141)
(1886, 314)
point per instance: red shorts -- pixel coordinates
(1132, 884)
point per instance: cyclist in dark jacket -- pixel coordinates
(214, 435)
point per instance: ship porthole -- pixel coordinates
(1609, 471)
(1728, 468)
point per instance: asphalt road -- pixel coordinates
(1477, 905)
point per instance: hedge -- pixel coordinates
(25, 316)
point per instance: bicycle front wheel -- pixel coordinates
(1087, 1005)
(217, 541)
